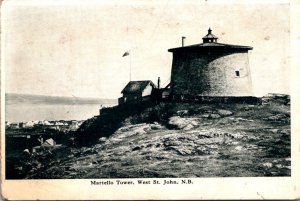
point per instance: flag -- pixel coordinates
(126, 54)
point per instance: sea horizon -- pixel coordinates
(28, 107)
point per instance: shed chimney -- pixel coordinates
(182, 40)
(158, 82)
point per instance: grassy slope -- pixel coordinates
(179, 140)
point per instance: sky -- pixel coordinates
(76, 50)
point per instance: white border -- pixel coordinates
(203, 188)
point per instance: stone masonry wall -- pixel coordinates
(211, 74)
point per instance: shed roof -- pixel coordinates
(137, 86)
(211, 45)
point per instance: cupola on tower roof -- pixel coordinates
(209, 38)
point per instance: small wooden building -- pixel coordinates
(137, 91)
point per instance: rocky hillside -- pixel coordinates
(177, 140)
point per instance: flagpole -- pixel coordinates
(130, 66)
(128, 52)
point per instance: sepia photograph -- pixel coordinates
(127, 92)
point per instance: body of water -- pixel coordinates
(32, 112)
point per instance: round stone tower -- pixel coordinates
(211, 69)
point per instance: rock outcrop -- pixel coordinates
(180, 140)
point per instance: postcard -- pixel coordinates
(149, 100)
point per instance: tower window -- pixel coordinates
(237, 73)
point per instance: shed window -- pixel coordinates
(237, 73)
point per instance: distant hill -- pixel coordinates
(13, 98)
